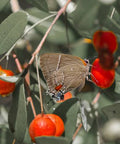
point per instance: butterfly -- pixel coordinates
(63, 73)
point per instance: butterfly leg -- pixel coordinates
(87, 78)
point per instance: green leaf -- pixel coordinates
(5, 135)
(111, 94)
(40, 4)
(3, 3)
(83, 18)
(117, 5)
(102, 13)
(27, 139)
(83, 49)
(68, 112)
(58, 33)
(18, 114)
(112, 25)
(11, 30)
(90, 95)
(89, 16)
(112, 111)
(51, 140)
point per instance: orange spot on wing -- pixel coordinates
(57, 88)
(84, 63)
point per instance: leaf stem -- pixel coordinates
(95, 100)
(17, 62)
(76, 132)
(39, 85)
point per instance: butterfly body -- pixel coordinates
(63, 72)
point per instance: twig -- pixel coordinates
(60, 12)
(76, 132)
(13, 141)
(29, 99)
(27, 78)
(15, 5)
(95, 100)
(17, 62)
(117, 62)
(39, 85)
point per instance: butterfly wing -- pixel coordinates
(63, 72)
(69, 76)
(51, 62)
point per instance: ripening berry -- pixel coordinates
(105, 40)
(58, 123)
(101, 77)
(41, 125)
(6, 87)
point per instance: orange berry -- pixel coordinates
(105, 40)
(101, 77)
(58, 123)
(6, 87)
(67, 96)
(41, 125)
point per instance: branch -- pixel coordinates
(15, 5)
(60, 12)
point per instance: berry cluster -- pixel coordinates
(103, 72)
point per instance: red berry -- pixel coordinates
(102, 77)
(106, 59)
(105, 40)
(41, 125)
(58, 123)
(6, 87)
